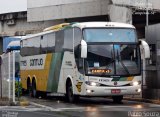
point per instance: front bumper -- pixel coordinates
(107, 91)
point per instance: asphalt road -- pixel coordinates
(87, 107)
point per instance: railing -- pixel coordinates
(7, 76)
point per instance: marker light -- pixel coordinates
(139, 90)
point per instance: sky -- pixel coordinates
(7, 6)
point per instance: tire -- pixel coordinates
(34, 90)
(69, 93)
(29, 88)
(24, 91)
(117, 99)
(43, 94)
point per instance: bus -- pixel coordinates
(88, 59)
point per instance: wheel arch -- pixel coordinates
(29, 81)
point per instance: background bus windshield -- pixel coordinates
(110, 35)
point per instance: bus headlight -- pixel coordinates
(135, 83)
(92, 83)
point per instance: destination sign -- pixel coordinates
(100, 71)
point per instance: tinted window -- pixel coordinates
(38, 45)
(68, 40)
(77, 41)
(43, 46)
(59, 41)
(77, 36)
(110, 35)
(30, 46)
(51, 43)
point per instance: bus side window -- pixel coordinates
(68, 40)
(77, 36)
(79, 60)
(80, 63)
(51, 43)
(31, 47)
(43, 46)
(77, 41)
(34, 46)
(23, 50)
(59, 41)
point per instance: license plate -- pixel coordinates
(115, 91)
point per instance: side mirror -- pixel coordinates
(145, 50)
(83, 49)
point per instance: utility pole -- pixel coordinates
(144, 61)
(147, 14)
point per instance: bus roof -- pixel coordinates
(38, 34)
(80, 25)
(102, 24)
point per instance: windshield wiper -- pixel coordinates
(113, 60)
(125, 68)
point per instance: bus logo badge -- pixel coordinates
(115, 83)
(79, 88)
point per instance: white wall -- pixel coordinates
(43, 3)
(124, 14)
(42, 10)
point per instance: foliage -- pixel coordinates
(18, 87)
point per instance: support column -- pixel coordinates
(120, 14)
(1, 45)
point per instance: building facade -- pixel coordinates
(32, 16)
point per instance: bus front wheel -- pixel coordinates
(69, 93)
(117, 99)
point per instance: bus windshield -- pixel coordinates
(113, 60)
(110, 35)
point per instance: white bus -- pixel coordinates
(83, 59)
